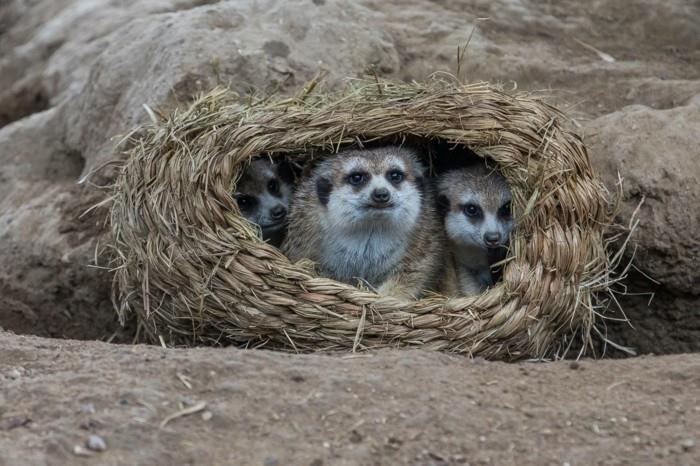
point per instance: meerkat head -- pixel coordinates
(263, 193)
(374, 189)
(475, 202)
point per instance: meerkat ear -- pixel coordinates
(323, 190)
(443, 205)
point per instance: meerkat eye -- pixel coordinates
(246, 202)
(504, 211)
(396, 176)
(357, 178)
(472, 210)
(273, 186)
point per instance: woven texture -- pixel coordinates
(195, 272)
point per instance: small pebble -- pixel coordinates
(13, 422)
(80, 451)
(91, 424)
(14, 374)
(96, 443)
(573, 365)
(688, 444)
(355, 436)
(207, 415)
(87, 408)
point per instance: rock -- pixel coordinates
(688, 444)
(656, 152)
(96, 443)
(81, 451)
(13, 422)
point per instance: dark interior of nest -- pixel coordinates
(465, 192)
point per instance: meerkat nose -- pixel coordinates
(492, 238)
(278, 212)
(381, 195)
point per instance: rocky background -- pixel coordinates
(74, 75)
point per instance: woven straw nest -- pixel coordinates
(195, 272)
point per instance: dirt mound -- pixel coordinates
(657, 155)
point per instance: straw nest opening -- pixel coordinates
(195, 272)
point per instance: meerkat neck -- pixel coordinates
(368, 254)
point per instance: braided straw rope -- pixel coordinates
(195, 272)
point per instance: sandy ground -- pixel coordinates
(388, 407)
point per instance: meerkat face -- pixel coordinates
(476, 203)
(371, 189)
(263, 195)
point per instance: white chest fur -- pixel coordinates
(370, 255)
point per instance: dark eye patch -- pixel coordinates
(395, 176)
(357, 178)
(323, 190)
(472, 211)
(504, 211)
(246, 203)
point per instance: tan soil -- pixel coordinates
(387, 407)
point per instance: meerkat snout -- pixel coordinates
(492, 239)
(476, 206)
(381, 196)
(263, 194)
(367, 215)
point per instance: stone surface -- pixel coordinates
(656, 152)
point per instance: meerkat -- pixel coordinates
(369, 215)
(263, 194)
(475, 203)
